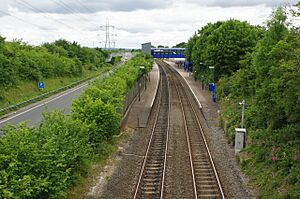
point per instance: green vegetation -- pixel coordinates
(28, 89)
(115, 60)
(58, 63)
(100, 105)
(162, 46)
(234, 41)
(260, 65)
(180, 45)
(43, 162)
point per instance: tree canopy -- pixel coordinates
(20, 61)
(260, 65)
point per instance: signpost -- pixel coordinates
(202, 77)
(240, 133)
(41, 85)
(214, 96)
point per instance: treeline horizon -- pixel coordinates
(20, 61)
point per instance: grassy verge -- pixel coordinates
(28, 90)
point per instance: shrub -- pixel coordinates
(43, 162)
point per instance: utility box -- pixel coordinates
(240, 137)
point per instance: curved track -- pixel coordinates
(204, 177)
(206, 182)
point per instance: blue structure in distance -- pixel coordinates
(161, 53)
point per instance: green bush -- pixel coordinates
(43, 162)
(21, 62)
(100, 105)
(102, 119)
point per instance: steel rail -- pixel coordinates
(201, 132)
(150, 141)
(167, 140)
(188, 143)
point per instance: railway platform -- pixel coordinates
(204, 96)
(140, 110)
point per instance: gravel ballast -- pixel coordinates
(122, 182)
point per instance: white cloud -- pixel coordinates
(155, 21)
(240, 3)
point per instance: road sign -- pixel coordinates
(41, 85)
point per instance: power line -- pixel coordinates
(84, 6)
(28, 5)
(81, 4)
(71, 10)
(6, 13)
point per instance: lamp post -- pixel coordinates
(144, 75)
(139, 89)
(243, 111)
(195, 72)
(202, 80)
(139, 82)
(213, 71)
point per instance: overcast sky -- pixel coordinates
(165, 22)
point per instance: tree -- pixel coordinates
(189, 47)
(180, 45)
(228, 44)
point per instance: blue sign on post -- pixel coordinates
(212, 89)
(214, 96)
(41, 85)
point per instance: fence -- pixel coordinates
(132, 95)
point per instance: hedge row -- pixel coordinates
(99, 105)
(22, 62)
(42, 162)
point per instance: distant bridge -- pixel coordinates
(161, 53)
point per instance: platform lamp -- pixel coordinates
(240, 133)
(243, 112)
(139, 82)
(202, 80)
(212, 67)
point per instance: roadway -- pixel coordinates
(32, 114)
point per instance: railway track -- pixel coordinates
(151, 179)
(206, 182)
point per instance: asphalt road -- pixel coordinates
(32, 114)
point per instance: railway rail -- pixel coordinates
(151, 179)
(206, 182)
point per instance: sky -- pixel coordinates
(133, 22)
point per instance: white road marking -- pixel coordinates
(42, 104)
